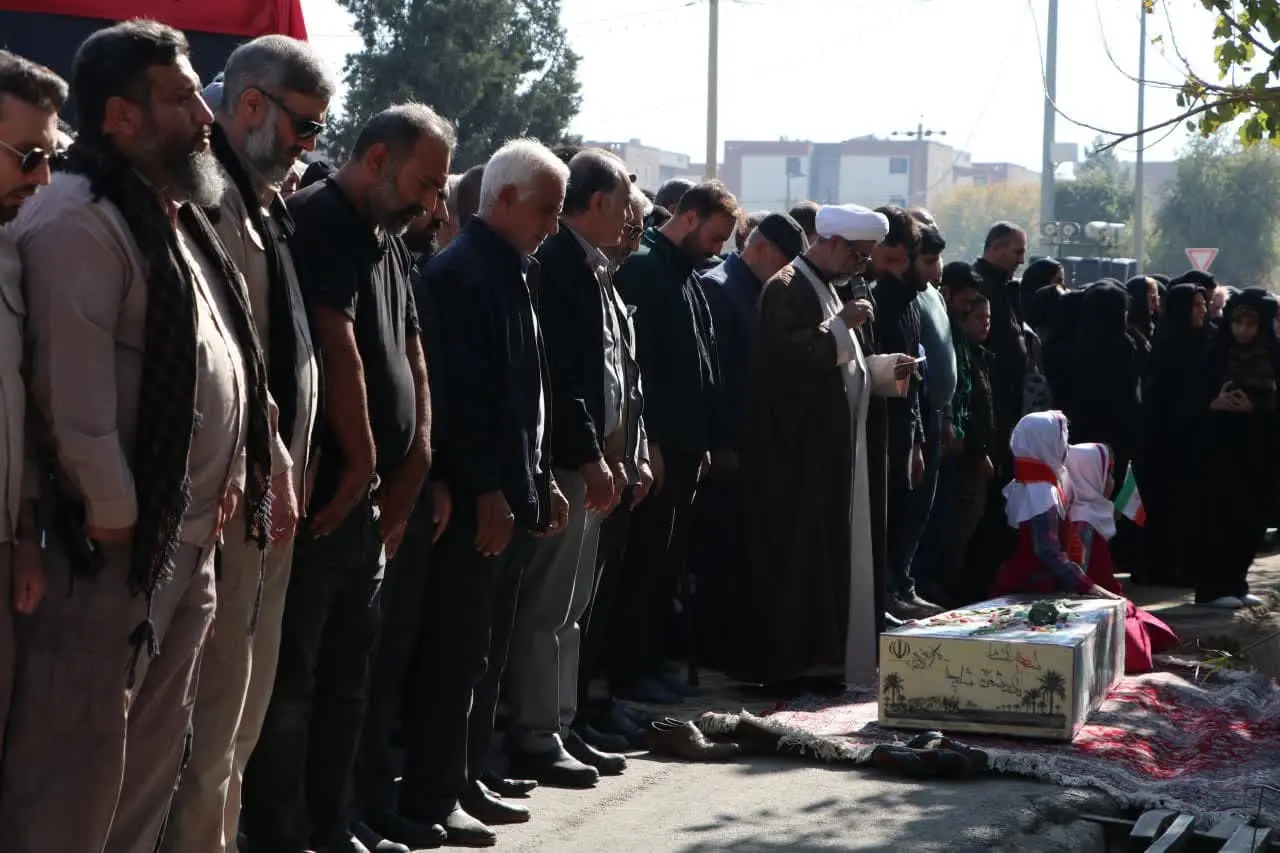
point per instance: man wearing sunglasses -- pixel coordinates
(269, 107)
(30, 97)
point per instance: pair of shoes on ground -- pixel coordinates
(930, 755)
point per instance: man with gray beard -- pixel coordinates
(148, 380)
(275, 94)
(374, 453)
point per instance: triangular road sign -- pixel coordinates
(1201, 258)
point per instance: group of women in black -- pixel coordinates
(1187, 398)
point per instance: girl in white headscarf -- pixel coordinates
(1036, 503)
(1092, 518)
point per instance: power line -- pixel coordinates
(1044, 81)
(626, 15)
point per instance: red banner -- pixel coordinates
(230, 17)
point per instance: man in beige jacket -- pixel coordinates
(147, 370)
(30, 97)
(274, 97)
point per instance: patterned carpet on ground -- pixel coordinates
(1202, 746)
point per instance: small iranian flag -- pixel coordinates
(1129, 502)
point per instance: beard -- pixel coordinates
(387, 209)
(422, 240)
(262, 154)
(691, 245)
(192, 171)
(198, 179)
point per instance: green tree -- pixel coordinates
(1100, 191)
(966, 213)
(499, 69)
(1226, 196)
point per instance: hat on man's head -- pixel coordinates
(852, 222)
(785, 233)
(213, 92)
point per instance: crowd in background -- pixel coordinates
(345, 500)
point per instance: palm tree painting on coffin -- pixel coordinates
(893, 688)
(1052, 684)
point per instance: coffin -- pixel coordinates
(987, 669)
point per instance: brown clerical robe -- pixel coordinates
(807, 592)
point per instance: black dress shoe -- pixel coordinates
(603, 741)
(463, 830)
(508, 787)
(616, 720)
(486, 807)
(416, 835)
(555, 767)
(349, 844)
(607, 763)
(375, 842)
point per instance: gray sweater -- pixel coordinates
(935, 336)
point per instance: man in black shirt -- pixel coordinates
(374, 453)
(897, 329)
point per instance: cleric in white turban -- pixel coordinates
(852, 223)
(808, 590)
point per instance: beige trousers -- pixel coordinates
(91, 764)
(7, 638)
(236, 675)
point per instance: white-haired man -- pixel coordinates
(493, 382)
(589, 396)
(276, 93)
(374, 454)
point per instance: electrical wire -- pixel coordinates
(635, 13)
(1044, 81)
(1106, 47)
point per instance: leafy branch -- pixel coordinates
(1247, 32)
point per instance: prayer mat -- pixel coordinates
(1201, 746)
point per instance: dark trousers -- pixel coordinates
(466, 628)
(397, 663)
(898, 570)
(919, 558)
(656, 549)
(928, 568)
(298, 782)
(596, 624)
(718, 552)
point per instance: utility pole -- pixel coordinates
(1050, 115)
(713, 88)
(1139, 168)
(919, 171)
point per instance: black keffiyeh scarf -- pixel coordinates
(282, 340)
(167, 401)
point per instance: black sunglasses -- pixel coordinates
(29, 160)
(303, 127)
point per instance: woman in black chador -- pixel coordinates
(1060, 346)
(1168, 478)
(1235, 404)
(1104, 395)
